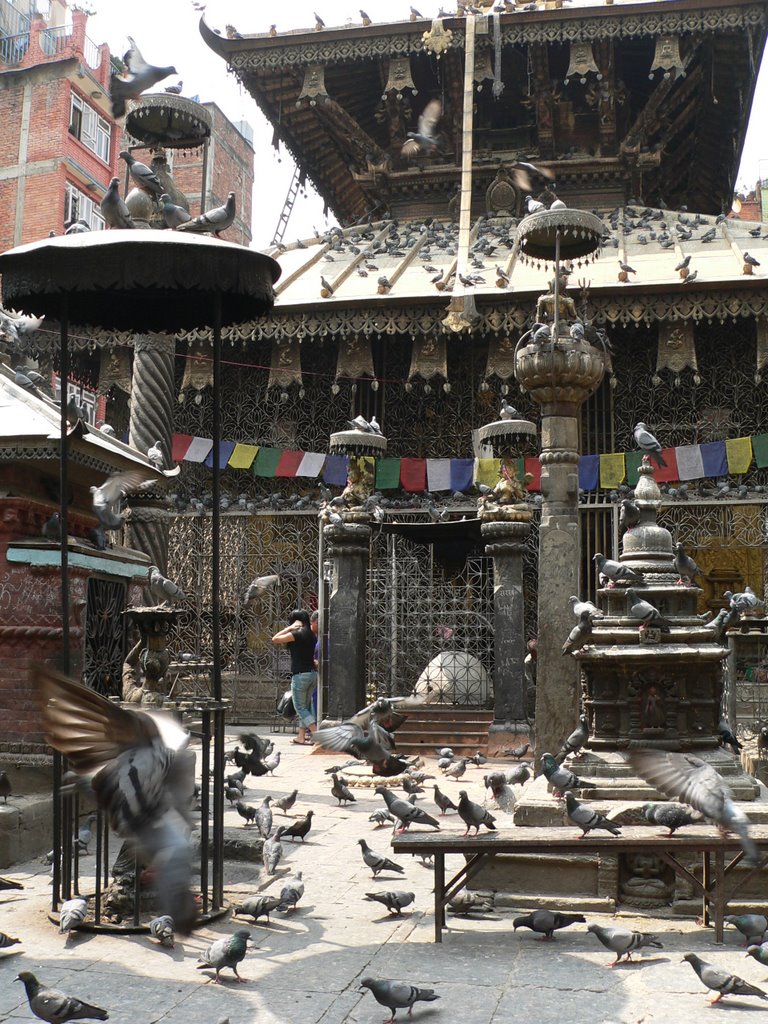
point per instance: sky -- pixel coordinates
(166, 32)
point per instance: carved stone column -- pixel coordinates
(348, 549)
(559, 376)
(505, 543)
(152, 404)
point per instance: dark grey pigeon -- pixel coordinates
(341, 791)
(376, 862)
(722, 982)
(139, 76)
(615, 572)
(291, 893)
(398, 995)
(173, 215)
(394, 900)
(547, 922)
(55, 1007)
(443, 802)
(586, 818)
(645, 612)
(407, 813)
(212, 221)
(227, 952)
(685, 565)
(623, 941)
(579, 635)
(113, 209)
(374, 746)
(141, 175)
(752, 926)
(257, 906)
(577, 739)
(473, 815)
(161, 928)
(669, 815)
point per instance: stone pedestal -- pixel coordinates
(348, 549)
(505, 542)
(144, 670)
(560, 376)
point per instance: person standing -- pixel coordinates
(314, 625)
(303, 675)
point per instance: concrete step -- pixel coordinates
(463, 729)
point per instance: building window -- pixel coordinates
(92, 130)
(78, 206)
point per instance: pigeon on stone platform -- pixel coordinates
(298, 829)
(381, 817)
(227, 952)
(5, 786)
(671, 816)
(473, 815)
(341, 791)
(752, 926)
(648, 614)
(629, 516)
(212, 221)
(547, 922)
(173, 215)
(616, 572)
(264, 818)
(142, 175)
(646, 442)
(72, 914)
(692, 781)
(576, 740)
(107, 496)
(685, 565)
(55, 1007)
(113, 208)
(744, 601)
(443, 802)
(622, 941)
(561, 778)
(376, 862)
(394, 900)
(139, 77)
(722, 982)
(272, 853)
(164, 591)
(291, 893)
(727, 736)
(257, 906)
(408, 814)
(578, 607)
(587, 819)
(398, 995)
(285, 803)
(161, 928)
(579, 635)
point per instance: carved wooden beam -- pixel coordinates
(543, 100)
(640, 129)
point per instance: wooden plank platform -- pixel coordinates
(703, 840)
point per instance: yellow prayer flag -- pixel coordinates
(487, 471)
(738, 452)
(243, 455)
(612, 469)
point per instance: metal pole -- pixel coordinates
(218, 719)
(203, 184)
(321, 613)
(218, 808)
(205, 795)
(556, 322)
(64, 484)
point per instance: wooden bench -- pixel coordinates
(705, 840)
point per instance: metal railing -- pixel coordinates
(55, 40)
(91, 53)
(13, 48)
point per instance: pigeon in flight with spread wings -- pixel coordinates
(373, 746)
(425, 139)
(117, 486)
(141, 774)
(139, 77)
(692, 781)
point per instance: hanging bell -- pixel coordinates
(408, 387)
(447, 387)
(335, 389)
(353, 389)
(198, 398)
(485, 386)
(374, 385)
(427, 389)
(505, 389)
(283, 396)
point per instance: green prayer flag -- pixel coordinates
(387, 474)
(633, 461)
(266, 461)
(760, 450)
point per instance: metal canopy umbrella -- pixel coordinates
(141, 280)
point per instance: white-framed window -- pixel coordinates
(79, 206)
(88, 126)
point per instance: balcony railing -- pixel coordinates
(91, 53)
(13, 49)
(55, 40)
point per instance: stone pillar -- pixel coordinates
(348, 549)
(560, 376)
(152, 405)
(505, 543)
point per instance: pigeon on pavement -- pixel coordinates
(466, 903)
(72, 914)
(139, 77)
(298, 829)
(394, 900)
(381, 817)
(212, 221)
(622, 941)
(257, 906)
(397, 995)
(473, 815)
(161, 928)
(759, 950)
(285, 803)
(6, 941)
(227, 952)
(586, 818)
(646, 442)
(341, 791)
(517, 752)
(722, 982)
(692, 781)
(54, 1007)
(291, 893)
(457, 769)
(669, 815)
(271, 853)
(376, 862)
(443, 802)
(264, 818)
(574, 742)
(407, 813)
(547, 922)
(561, 778)
(113, 208)
(752, 926)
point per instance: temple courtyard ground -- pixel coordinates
(307, 965)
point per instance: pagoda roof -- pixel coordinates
(681, 135)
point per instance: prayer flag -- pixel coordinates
(589, 466)
(180, 446)
(243, 455)
(266, 462)
(335, 470)
(461, 474)
(288, 463)
(738, 451)
(533, 466)
(690, 465)
(713, 458)
(487, 471)
(413, 475)
(198, 449)
(760, 448)
(387, 474)
(311, 464)
(613, 469)
(439, 474)
(225, 450)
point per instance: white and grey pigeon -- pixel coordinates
(397, 995)
(212, 221)
(692, 781)
(140, 772)
(161, 928)
(226, 952)
(155, 455)
(586, 818)
(141, 175)
(579, 635)
(616, 572)
(623, 941)
(259, 587)
(16, 326)
(722, 982)
(72, 914)
(272, 853)
(407, 813)
(394, 900)
(647, 613)
(257, 906)
(378, 863)
(291, 893)
(264, 818)
(573, 743)
(107, 496)
(457, 769)
(646, 442)
(381, 817)
(272, 761)
(508, 412)
(113, 208)
(164, 591)
(173, 215)
(578, 607)
(139, 76)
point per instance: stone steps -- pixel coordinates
(464, 730)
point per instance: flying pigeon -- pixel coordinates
(473, 815)
(397, 995)
(547, 922)
(374, 746)
(722, 982)
(54, 1007)
(394, 901)
(212, 221)
(425, 139)
(113, 208)
(376, 862)
(106, 497)
(142, 175)
(259, 587)
(227, 952)
(622, 941)
(646, 442)
(140, 76)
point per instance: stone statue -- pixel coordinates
(545, 307)
(359, 483)
(509, 490)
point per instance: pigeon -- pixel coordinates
(291, 893)
(727, 736)
(106, 497)
(85, 834)
(173, 215)
(561, 778)
(466, 903)
(685, 565)
(478, 759)
(692, 781)
(264, 818)
(533, 205)
(517, 752)
(340, 790)
(408, 814)
(394, 900)
(140, 772)
(586, 818)
(257, 588)
(752, 926)
(425, 139)
(6, 941)
(298, 830)
(155, 455)
(647, 613)
(78, 227)
(319, 23)
(750, 260)
(745, 600)
(443, 802)
(140, 76)
(72, 914)
(55, 1007)
(759, 951)
(579, 635)
(646, 442)
(375, 746)
(547, 922)
(227, 952)
(616, 572)
(622, 941)
(397, 995)
(625, 268)
(233, 794)
(578, 607)
(412, 788)
(576, 740)
(669, 815)
(161, 928)
(141, 175)
(257, 906)
(5, 786)
(381, 817)
(285, 803)
(164, 591)
(457, 769)
(629, 516)
(174, 90)
(500, 785)
(271, 853)
(113, 209)
(246, 812)
(376, 862)
(508, 412)
(473, 815)
(212, 221)
(272, 761)
(722, 982)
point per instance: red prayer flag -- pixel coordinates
(670, 472)
(289, 463)
(180, 446)
(413, 475)
(533, 466)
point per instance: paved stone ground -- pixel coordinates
(309, 963)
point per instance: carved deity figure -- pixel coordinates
(545, 306)
(509, 490)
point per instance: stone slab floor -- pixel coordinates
(307, 965)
